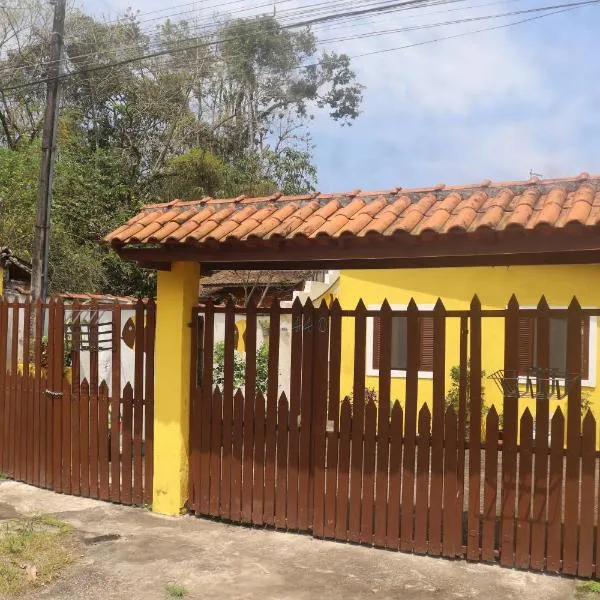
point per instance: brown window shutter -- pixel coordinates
(526, 341)
(585, 347)
(426, 344)
(376, 341)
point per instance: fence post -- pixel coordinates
(474, 433)
(177, 292)
(509, 439)
(573, 384)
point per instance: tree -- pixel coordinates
(222, 113)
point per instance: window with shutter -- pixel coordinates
(558, 344)
(399, 343)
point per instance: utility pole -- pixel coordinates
(39, 274)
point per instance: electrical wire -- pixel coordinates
(554, 10)
(214, 26)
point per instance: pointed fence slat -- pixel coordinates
(319, 419)
(509, 436)
(450, 541)
(126, 466)
(195, 413)
(392, 538)
(366, 522)
(333, 436)
(271, 424)
(15, 413)
(149, 401)
(258, 488)
(4, 405)
(555, 492)
(490, 490)
(475, 401)
(463, 367)
(306, 418)
(249, 397)
(588, 489)
(66, 419)
(422, 500)
(522, 556)
(115, 400)
(138, 404)
(248, 459)
(437, 431)
(538, 526)
(383, 424)
(358, 419)
(343, 487)
(75, 337)
(571, 516)
(27, 438)
(333, 446)
(282, 453)
(294, 414)
(94, 369)
(228, 392)
(103, 441)
(208, 336)
(215, 453)
(408, 472)
(84, 436)
(39, 391)
(236, 456)
(58, 368)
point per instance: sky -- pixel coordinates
(491, 105)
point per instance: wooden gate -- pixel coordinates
(70, 418)
(419, 474)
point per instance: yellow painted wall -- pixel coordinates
(456, 287)
(177, 293)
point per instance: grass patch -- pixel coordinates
(33, 552)
(176, 591)
(588, 590)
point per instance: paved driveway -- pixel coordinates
(218, 561)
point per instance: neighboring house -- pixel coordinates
(15, 273)
(261, 286)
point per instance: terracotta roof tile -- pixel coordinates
(439, 210)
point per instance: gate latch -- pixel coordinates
(54, 394)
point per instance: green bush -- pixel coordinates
(239, 367)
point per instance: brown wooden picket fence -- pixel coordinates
(61, 431)
(416, 477)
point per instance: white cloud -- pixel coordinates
(488, 105)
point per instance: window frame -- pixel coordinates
(396, 373)
(590, 382)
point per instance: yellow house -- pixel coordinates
(456, 287)
(528, 238)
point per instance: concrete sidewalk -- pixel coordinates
(218, 561)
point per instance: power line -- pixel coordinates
(300, 24)
(464, 33)
(560, 7)
(315, 8)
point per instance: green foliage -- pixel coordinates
(176, 591)
(453, 394)
(588, 590)
(222, 120)
(239, 367)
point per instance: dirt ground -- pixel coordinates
(132, 554)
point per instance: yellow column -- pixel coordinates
(177, 293)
